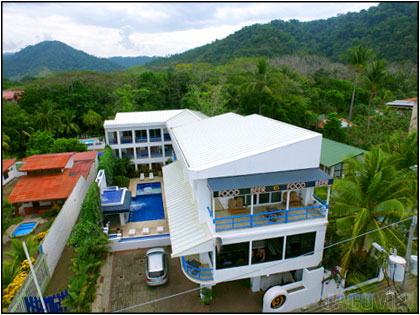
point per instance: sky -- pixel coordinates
(148, 29)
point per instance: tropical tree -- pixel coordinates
(18, 252)
(39, 143)
(9, 270)
(332, 128)
(48, 118)
(92, 119)
(5, 139)
(260, 81)
(357, 58)
(67, 145)
(68, 126)
(375, 75)
(372, 194)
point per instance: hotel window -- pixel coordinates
(233, 255)
(264, 198)
(276, 196)
(267, 250)
(338, 170)
(300, 244)
(155, 135)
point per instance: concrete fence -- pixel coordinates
(56, 239)
(28, 287)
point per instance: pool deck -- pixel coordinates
(8, 235)
(152, 225)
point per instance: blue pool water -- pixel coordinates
(149, 188)
(147, 206)
(87, 141)
(111, 196)
(24, 228)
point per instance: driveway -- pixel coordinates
(128, 287)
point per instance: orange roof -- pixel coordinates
(46, 161)
(40, 187)
(81, 168)
(85, 156)
(410, 99)
(10, 95)
(7, 163)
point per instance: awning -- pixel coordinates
(266, 182)
(185, 231)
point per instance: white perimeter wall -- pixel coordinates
(116, 244)
(56, 239)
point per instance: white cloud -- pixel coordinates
(134, 29)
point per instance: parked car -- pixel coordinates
(156, 267)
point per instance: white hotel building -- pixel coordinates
(240, 199)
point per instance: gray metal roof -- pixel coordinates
(267, 179)
(125, 207)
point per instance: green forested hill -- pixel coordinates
(127, 62)
(390, 29)
(52, 56)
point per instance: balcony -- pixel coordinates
(130, 155)
(268, 215)
(195, 270)
(113, 141)
(169, 153)
(143, 155)
(156, 154)
(141, 139)
(167, 137)
(126, 140)
(155, 138)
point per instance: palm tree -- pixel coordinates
(260, 81)
(18, 252)
(357, 57)
(376, 73)
(48, 117)
(372, 194)
(9, 270)
(68, 126)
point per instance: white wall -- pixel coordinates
(116, 245)
(56, 239)
(203, 201)
(300, 155)
(13, 173)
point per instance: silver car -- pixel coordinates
(156, 267)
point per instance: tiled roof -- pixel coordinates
(7, 163)
(10, 95)
(411, 99)
(46, 161)
(81, 168)
(85, 156)
(40, 187)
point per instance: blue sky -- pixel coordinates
(148, 29)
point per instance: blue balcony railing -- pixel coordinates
(156, 154)
(197, 273)
(113, 141)
(155, 138)
(168, 152)
(141, 139)
(272, 217)
(126, 140)
(130, 155)
(142, 155)
(167, 137)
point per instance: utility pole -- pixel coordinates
(408, 252)
(35, 278)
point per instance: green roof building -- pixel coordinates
(334, 154)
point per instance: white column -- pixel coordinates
(118, 137)
(250, 254)
(106, 137)
(133, 136)
(213, 206)
(255, 284)
(287, 200)
(252, 204)
(122, 219)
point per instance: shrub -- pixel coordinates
(121, 181)
(106, 163)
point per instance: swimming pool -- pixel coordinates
(112, 197)
(87, 141)
(24, 228)
(148, 205)
(149, 188)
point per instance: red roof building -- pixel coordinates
(50, 180)
(11, 95)
(344, 123)
(6, 164)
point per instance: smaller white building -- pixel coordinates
(10, 170)
(143, 136)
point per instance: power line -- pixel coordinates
(279, 263)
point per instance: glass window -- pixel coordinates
(265, 198)
(300, 244)
(233, 255)
(267, 250)
(338, 170)
(276, 196)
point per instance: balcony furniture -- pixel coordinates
(236, 206)
(131, 232)
(294, 199)
(141, 176)
(194, 263)
(145, 231)
(151, 175)
(273, 216)
(160, 229)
